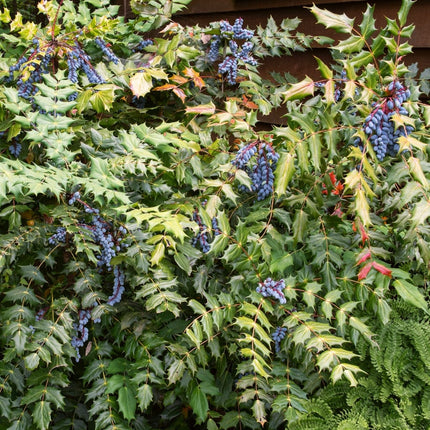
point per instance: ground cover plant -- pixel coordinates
(168, 263)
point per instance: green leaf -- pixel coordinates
(144, 395)
(300, 225)
(350, 45)
(127, 402)
(367, 26)
(183, 262)
(115, 383)
(340, 23)
(404, 11)
(176, 370)
(157, 254)
(32, 361)
(284, 173)
(42, 414)
(33, 273)
(411, 294)
(259, 412)
(102, 100)
(300, 90)
(362, 206)
(199, 403)
(326, 71)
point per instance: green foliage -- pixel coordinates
(146, 152)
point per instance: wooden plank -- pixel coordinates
(203, 6)
(419, 15)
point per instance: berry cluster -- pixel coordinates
(78, 59)
(202, 238)
(379, 127)
(118, 286)
(58, 236)
(106, 50)
(36, 62)
(277, 336)
(15, 148)
(262, 171)
(109, 244)
(215, 227)
(81, 336)
(271, 288)
(142, 45)
(31, 69)
(228, 33)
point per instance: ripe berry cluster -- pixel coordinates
(31, 69)
(84, 315)
(262, 170)
(277, 336)
(58, 236)
(228, 33)
(142, 45)
(78, 59)
(118, 286)
(106, 50)
(202, 237)
(379, 126)
(109, 243)
(271, 288)
(33, 65)
(15, 147)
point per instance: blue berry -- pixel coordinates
(379, 127)
(201, 237)
(106, 50)
(142, 45)
(277, 336)
(58, 236)
(15, 148)
(271, 288)
(262, 171)
(118, 286)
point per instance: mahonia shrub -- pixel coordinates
(167, 262)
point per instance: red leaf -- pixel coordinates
(248, 103)
(364, 271)
(382, 269)
(180, 94)
(364, 235)
(364, 257)
(332, 177)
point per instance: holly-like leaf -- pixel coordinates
(362, 274)
(127, 402)
(411, 294)
(207, 109)
(42, 414)
(141, 84)
(340, 23)
(199, 403)
(300, 90)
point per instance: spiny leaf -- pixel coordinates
(127, 402)
(411, 294)
(300, 90)
(199, 403)
(340, 23)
